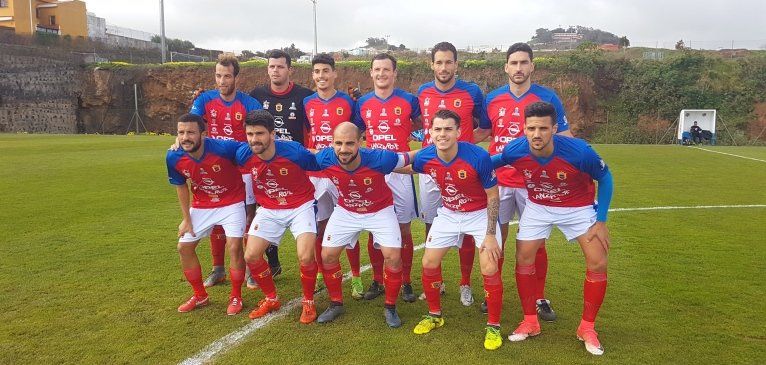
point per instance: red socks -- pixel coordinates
(432, 281)
(526, 281)
(333, 278)
(541, 271)
(408, 250)
(467, 251)
(261, 273)
(594, 290)
(194, 277)
(353, 259)
(393, 282)
(493, 287)
(309, 280)
(376, 260)
(218, 245)
(237, 278)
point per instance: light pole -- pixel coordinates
(162, 29)
(315, 26)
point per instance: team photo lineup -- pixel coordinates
(329, 166)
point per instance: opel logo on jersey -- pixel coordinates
(278, 107)
(272, 184)
(339, 110)
(208, 181)
(457, 103)
(238, 116)
(227, 129)
(451, 189)
(514, 129)
(355, 195)
(278, 121)
(398, 110)
(383, 127)
(325, 128)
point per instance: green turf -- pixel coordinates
(90, 273)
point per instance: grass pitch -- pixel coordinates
(90, 273)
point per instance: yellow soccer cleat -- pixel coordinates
(492, 339)
(428, 323)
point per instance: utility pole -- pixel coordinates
(315, 27)
(162, 29)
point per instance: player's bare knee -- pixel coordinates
(597, 264)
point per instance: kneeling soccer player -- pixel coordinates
(558, 172)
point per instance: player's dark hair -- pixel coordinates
(541, 109)
(229, 59)
(193, 118)
(518, 47)
(448, 114)
(278, 53)
(384, 56)
(262, 118)
(324, 59)
(444, 47)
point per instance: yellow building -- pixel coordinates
(63, 17)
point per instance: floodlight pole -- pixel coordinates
(162, 29)
(136, 116)
(315, 27)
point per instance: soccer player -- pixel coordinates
(505, 107)
(447, 92)
(466, 179)
(325, 109)
(224, 110)
(559, 172)
(286, 199)
(390, 114)
(218, 199)
(284, 100)
(365, 203)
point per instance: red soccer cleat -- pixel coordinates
(265, 306)
(235, 306)
(525, 330)
(193, 303)
(309, 313)
(590, 338)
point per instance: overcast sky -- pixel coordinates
(234, 25)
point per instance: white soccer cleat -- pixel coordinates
(466, 295)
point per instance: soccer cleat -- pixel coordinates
(483, 307)
(265, 306)
(590, 338)
(392, 317)
(466, 295)
(357, 289)
(374, 291)
(407, 294)
(217, 276)
(193, 303)
(235, 306)
(251, 284)
(309, 313)
(319, 283)
(492, 339)
(544, 310)
(428, 323)
(276, 271)
(525, 330)
(331, 313)
(442, 291)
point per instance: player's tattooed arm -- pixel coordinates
(493, 209)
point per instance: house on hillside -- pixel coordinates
(62, 17)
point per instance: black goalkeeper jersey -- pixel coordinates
(289, 116)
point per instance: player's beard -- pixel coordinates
(541, 144)
(449, 76)
(524, 79)
(194, 148)
(259, 148)
(350, 160)
(226, 91)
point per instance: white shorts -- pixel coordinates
(538, 221)
(449, 227)
(326, 195)
(270, 224)
(403, 187)
(430, 198)
(249, 193)
(231, 217)
(512, 202)
(344, 227)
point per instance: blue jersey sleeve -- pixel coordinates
(605, 190)
(306, 160)
(479, 110)
(382, 161)
(592, 164)
(325, 158)
(415, 105)
(561, 116)
(244, 153)
(357, 116)
(250, 102)
(486, 170)
(419, 162)
(175, 177)
(511, 152)
(198, 107)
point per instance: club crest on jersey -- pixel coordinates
(367, 181)
(398, 110)
(462, 174)
(339, 110)
(283, 171)
(561, 175)
(278, 107)
(216, 168)
(238, 116)
(457, 103)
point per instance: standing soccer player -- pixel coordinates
(286, 199)
(447, 92)
(559, 172)
(284, 100)
(224, 110)
(325, 109)
(505, 107)
(466, 179)
(218, 199)
(390, 114)
(365, 203)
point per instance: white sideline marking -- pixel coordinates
(229, 341)
(730, 154)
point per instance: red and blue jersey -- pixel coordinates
(388, 121)
(225, 120)
(215, 179)
(461, 181)
(465, 99)
(281, 182)
(363, 190)
(565, 179)
(506, 112)
(325, 115)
